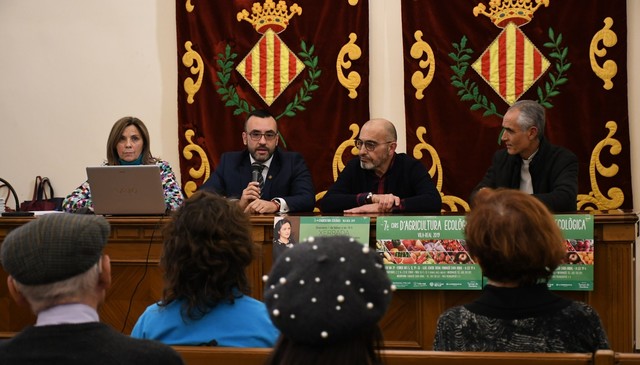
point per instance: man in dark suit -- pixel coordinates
(263, 178)
(530, 163)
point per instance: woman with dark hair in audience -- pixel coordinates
(517, 243)
(326, 296)
(207, 248)
(128, 144)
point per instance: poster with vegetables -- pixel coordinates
(429, 252)
(425, 252)
(576, 273)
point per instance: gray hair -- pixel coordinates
(41, 297)
(531, 115)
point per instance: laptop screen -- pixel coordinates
(126, 190)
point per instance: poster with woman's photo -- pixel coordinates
(288, 231)
(355, 227)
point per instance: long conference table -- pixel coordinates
(135, 246)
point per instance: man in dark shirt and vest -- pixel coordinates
(381, 180)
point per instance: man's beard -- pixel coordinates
(368, 165)
(261, 158)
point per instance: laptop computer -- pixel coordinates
(126, 190)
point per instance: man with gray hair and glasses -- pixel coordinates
(381, 180)
(263, 178)
(530, 163)
(56, 265)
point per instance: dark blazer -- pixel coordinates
(554, 175)
(83, 343)
(288, 178)
(407, 178)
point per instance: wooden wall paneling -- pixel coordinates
(613, 296)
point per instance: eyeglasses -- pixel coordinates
(269, 136)
(369, 145)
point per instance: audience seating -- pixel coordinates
(621, 358)
(201, 355)
(408, 357)
(256, 356)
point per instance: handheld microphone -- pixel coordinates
(256, 170)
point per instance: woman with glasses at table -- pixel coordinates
(381, 180)
(263, 178)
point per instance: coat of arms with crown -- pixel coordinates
(270, 66)
(511, 64)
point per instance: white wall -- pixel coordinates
(386, 87)
(633, 59)
(69, 69)
(633, 68)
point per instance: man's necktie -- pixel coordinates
(525, 178)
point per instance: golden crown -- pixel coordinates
(519, 12)
(270, 15)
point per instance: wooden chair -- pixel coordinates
(409, 357)
(621, 358)
(194, 355)
(202, 355)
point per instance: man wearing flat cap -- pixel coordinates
(56, 266)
